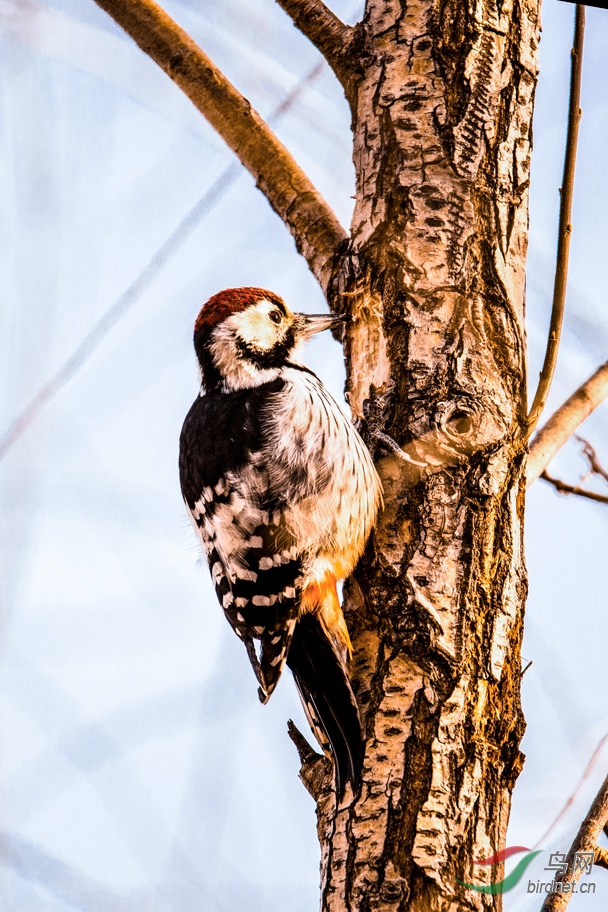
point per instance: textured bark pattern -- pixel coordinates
(435, 280)
(327, 32)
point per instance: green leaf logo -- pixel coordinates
(512, 879)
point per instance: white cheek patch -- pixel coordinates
(254, 327)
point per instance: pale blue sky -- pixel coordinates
(139, 770)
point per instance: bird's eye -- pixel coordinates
(275, 316)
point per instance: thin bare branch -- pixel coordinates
(585, 841)
(564, 422)
(564, 488)
(565, 226)
(328, 33)
(315, 228)
(586, 772)
(594, 464)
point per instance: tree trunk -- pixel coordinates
(441, 93)
(434, 277)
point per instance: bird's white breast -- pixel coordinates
(334, 488)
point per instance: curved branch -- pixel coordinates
(565, 227)
(130, 297)
(560, 427)
(313, 225)
(328, 33)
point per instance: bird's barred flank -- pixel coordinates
(283, 494)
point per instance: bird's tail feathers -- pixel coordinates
(329, 702)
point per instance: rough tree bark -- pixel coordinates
(441, 93)
(436, 359)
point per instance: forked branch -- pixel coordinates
(328, 33)
(565, 421)
(313, 225)
(595, 468)
(565, 227)
(594, 464)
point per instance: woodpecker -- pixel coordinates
(283, 494)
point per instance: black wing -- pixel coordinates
(251, 554)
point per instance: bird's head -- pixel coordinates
(243, 337)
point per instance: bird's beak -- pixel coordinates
(309, 324)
